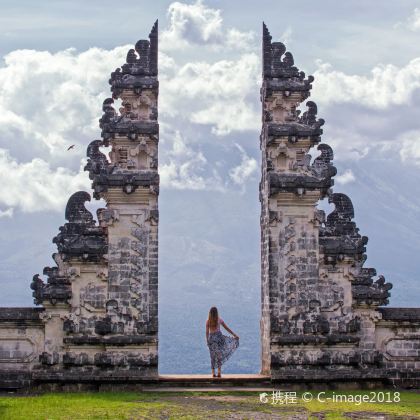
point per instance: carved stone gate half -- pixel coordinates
(99, 316)
(322, 318)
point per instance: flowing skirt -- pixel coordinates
(221, 347)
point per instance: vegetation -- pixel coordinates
(201, 405)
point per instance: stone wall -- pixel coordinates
(22, 338)
(397, 338)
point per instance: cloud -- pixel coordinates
(47, 102)
(6, 213)
(63, 94)
(34, 186)
(197, 24)
(412, 23)
(348, 144)
(240, 174)
(223, 94)
(414, 20)
(409, 147)
(345, 178)
(387, 85)
(51, 100)
(227, 117)
(286, 36)
(185, 168)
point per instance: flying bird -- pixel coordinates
(71, 147)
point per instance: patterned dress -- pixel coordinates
(221, 346)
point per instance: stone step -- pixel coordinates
(256, 389)
(226, 380)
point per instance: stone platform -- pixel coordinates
(182, 383)
(207, 381)
(251, 382)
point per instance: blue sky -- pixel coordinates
(57, 58)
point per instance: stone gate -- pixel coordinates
(323, 317)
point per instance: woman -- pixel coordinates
(221, 346)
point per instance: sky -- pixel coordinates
(56, 61)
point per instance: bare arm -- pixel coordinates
(207, 332)
(228, 329)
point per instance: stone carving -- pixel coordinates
(339, 224)
(322, 165)
(56, 290)
(97, 163)
(309, 116)
(58, 286)
(279, 63)
(80, 237)
(369, 292)
(140, 71)
(340, 239)
(76, 211)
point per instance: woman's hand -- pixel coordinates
(236, 336)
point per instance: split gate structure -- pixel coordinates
(322, 319)
(322, 311)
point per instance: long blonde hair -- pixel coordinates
(213, 317)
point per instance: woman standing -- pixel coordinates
(221, 346)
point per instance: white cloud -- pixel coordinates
(34, 186)
(198, 24)
(345, 178)
(286, 36)
(47, 102)
(185, 168)
(409, 147)
(6, 213)
(348, 144)
(227, 117)
(63, 94)
(413, 22)
(51, 100)
(223, 94)
(240, 174)
(387, 85)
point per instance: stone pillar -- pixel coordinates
(129, 183)
(289, 192)
(313, 284)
